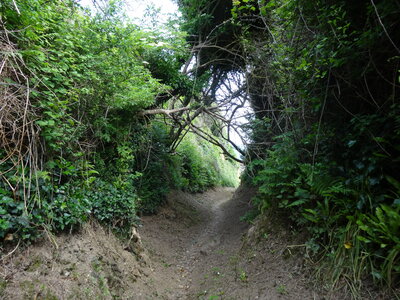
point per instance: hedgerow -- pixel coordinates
(74, 144)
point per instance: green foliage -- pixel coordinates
(94, 68)
(12, 216)
(276, 174)
(246, 8)
(324, 196)
(65, 209)
(203, 166)
(89, 76)
(154, 163)
(250, 216)
(195, 167)
(207, 21)
(197, 173)
(113, 206)
(383, 229)
(331, 129)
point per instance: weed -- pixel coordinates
(98, 275)
(35, 265)
(250, 216)
(243, 276)
(233, 260)
(3, 285)
(281, 289)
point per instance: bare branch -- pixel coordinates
(166, 112)
(204, 135)
(16, 7)
(383, 26)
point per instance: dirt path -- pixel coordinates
(196, 247)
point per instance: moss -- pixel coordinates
(28, 287)
(35, 265)
(101, 281)
(34, 289)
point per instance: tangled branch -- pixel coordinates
(19, 137)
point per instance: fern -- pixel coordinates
(384, 229)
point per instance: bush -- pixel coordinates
(195, 166)
(346, 199)
(112, 206)
(203, 166)
(64, 208)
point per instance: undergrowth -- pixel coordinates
(324, 84)
(348, 202)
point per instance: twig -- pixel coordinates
(383, 26)
(16, 7)
(319, 125)
(10, 253)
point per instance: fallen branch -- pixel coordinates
(166, 112)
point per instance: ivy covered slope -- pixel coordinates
(74, 141)
(323, 80)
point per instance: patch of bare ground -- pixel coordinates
(196, 247)
(215, 254)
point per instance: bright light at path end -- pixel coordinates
(138, 6)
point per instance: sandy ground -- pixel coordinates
(195, 248)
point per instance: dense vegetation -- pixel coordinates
(81, 133)
(74, 141)
(323, 80)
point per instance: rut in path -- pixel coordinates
(217, 242)
(198, 243)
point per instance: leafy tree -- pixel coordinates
(77, 143)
